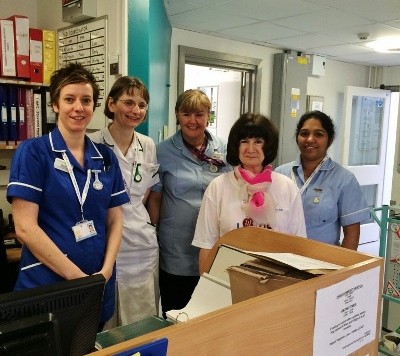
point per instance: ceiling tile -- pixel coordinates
(261, 31)
(325, 27)
(321, 21)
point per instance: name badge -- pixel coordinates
(218, 155)
(84, 230)
(60, 165)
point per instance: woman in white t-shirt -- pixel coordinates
(252, 194)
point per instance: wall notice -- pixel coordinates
(346, 314)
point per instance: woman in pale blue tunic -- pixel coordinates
(332, 197)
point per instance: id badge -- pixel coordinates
(218, 155)
(84, 230)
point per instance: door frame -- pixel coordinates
(191, 55)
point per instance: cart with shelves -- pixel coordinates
(388, 218)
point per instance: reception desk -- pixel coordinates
(277, 323)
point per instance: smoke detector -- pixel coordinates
(363, 35)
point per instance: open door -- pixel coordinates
(367, 133)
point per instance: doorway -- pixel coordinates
(232, 81)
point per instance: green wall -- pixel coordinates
(149, 49)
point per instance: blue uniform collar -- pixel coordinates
(177, 140)
(212, 145)
(57, 144)
(327, 166)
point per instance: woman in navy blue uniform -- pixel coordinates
(66, 194)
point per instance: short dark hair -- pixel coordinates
(123, 85)
(72, 73)
(324, 119)
(250, 125)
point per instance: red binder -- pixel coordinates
(36, 54)
(22, 122)
(21, 40)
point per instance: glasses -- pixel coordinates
(131, 104)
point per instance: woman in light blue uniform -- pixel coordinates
(332, 197)
(188, 161)
(66, 193)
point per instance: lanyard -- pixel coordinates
(308, 181)
(81, 198)
(201, 155)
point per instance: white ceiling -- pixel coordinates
(325, 27)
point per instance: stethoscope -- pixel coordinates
(136, 177)
(135, 172)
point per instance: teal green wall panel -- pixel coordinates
(149, 50)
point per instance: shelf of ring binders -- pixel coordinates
(388, 218)
(24, 112)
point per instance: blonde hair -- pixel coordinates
(192, 100)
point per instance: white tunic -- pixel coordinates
(137, 260)
(221, 208)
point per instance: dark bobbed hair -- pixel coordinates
(126, 85)
(72, 73)
(325, 120)
(251, 125)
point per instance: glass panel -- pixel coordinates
(369, 192)
(366, 128)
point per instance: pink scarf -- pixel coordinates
(265, 176)
(260, 207)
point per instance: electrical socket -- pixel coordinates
(113, 68)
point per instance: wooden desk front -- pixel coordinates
(277, 323)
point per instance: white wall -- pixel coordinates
(20, 7)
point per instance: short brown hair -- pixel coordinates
(123, 85)
(72, 73)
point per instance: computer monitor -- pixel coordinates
(62, 317)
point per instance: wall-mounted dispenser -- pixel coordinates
(78, 10)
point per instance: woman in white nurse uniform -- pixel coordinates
(137, 261)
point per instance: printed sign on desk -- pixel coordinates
(345, 319)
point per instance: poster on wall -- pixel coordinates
(86, 42)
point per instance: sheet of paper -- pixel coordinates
(346, 314)
(300, 262)
(210, 294)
